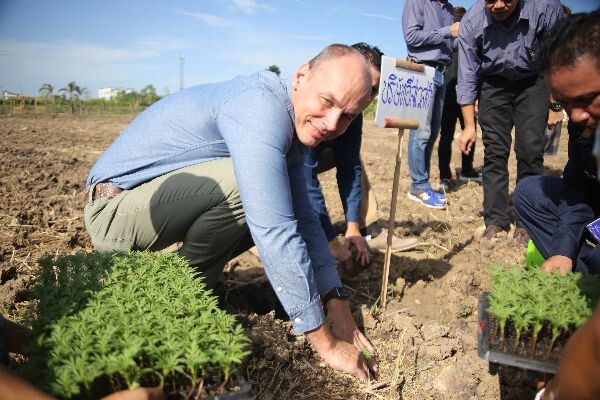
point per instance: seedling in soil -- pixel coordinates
(107, 322)
(367, 354)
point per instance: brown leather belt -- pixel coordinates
(104, 189)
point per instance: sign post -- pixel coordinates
(406, 92)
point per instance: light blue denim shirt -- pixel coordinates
(251, 120)
(488, 47)
(427, 32)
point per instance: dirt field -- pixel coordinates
(426, 337)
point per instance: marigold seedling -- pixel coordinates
(128, 320)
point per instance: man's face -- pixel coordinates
(577, 87)
(501, 10)
(327, 98)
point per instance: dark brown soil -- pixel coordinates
(426, 337)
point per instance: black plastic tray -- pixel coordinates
(504, 358)
(245, 392)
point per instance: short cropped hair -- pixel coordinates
(570, 40)
(458, 13)
(331, 52)
(371, 53)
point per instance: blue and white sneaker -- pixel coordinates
(428, 197)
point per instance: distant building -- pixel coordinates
(111, 93)
(6, 95)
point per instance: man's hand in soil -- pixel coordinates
(340, 252)
(560, 264)
(343, 327)
(354, 238)
(338, 354)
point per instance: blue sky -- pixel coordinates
(117, 43)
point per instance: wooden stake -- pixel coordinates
(391, 221)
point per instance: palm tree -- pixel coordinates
(46, 91)
(72, 90)
(274, 68)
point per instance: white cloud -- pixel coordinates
(28, 64)
(250, 6)
(209, 19)
(364, 14)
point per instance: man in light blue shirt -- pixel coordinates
(429, 29)
(498, 40)
(208, 164)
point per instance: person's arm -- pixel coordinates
(317, 200)
(469, 66)
(346, 151)
(574, 211)
(269, 168)
(412, 27)
(345, 352)
(468, 136)
(579, 365)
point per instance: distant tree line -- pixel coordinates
(75, 99)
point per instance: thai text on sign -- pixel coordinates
(404, 93)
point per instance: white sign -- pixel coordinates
(404, 93)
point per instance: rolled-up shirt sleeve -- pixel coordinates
(412, 27)
(274, 204)
(469, 66)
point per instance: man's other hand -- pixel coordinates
(466, 139)
(454, 29)
(340, 252)
(560, 264)
(354, 238)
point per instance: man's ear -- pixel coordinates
(301, 75)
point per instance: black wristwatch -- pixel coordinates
(556, 106)
(335, 293)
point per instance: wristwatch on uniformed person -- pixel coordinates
(335, 293)
(556, 106)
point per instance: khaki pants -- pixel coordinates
(367, 213)
(199, 206)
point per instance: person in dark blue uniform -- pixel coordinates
(497, 66)
(554, 210)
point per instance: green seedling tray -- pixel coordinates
(485, 351)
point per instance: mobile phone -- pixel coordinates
(594, 229)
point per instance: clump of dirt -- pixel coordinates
(425, 337)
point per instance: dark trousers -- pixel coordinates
(542, 203)
(503, 105)
(451, 113)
